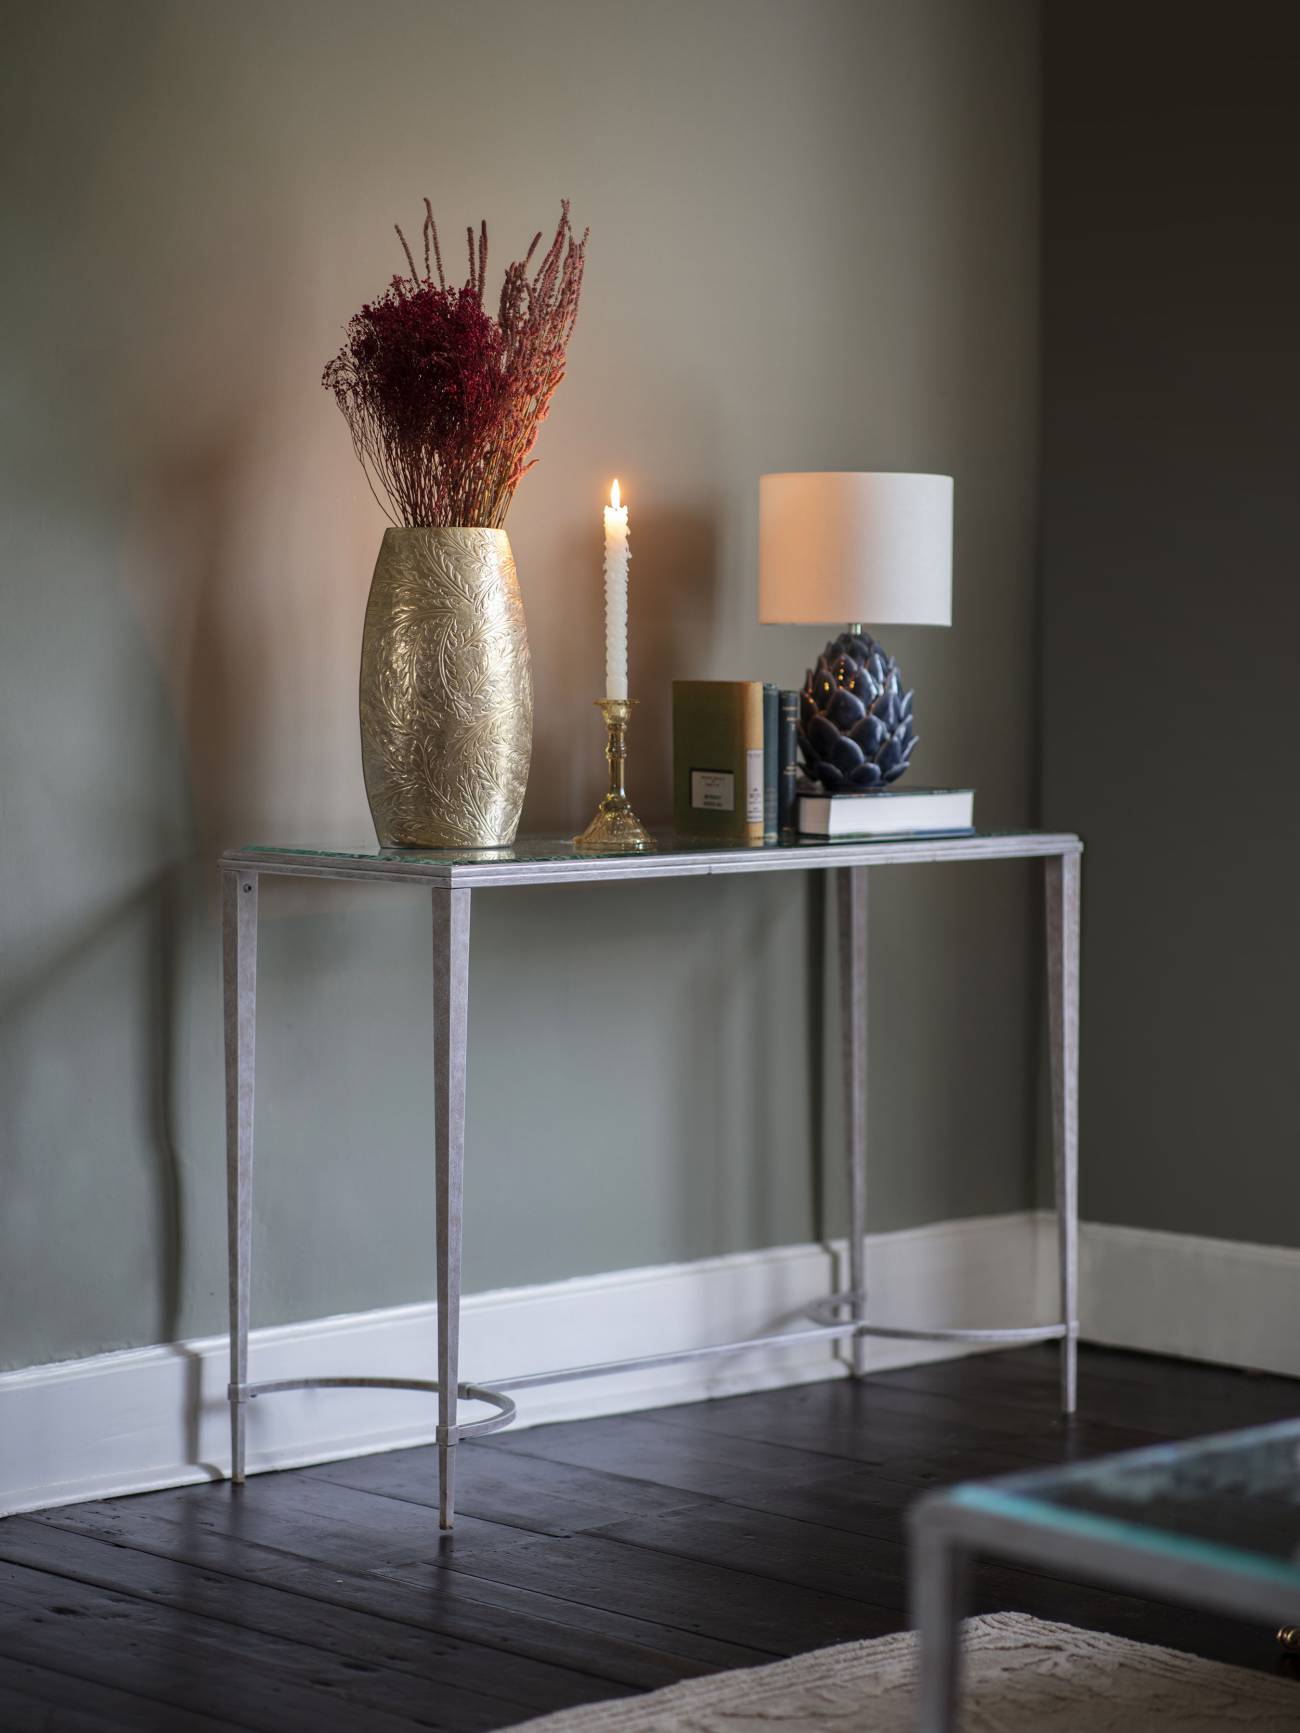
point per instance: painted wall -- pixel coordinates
(814, 245)
(1172, 614)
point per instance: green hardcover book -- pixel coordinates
(718, 754)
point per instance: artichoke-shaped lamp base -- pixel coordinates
(616, 829)
(855, 720)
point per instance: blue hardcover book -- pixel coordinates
(787, 765)
(771, 758)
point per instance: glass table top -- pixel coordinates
(539, 849)
(1232, 1500)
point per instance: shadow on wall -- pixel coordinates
(675, 584)
(209, 628)
(743, 1106)
(230, 661)
(90, 951)
(60, 973)
(211, 623)
(131, 717)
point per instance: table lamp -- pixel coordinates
(857, 547)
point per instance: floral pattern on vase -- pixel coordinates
(446, 690)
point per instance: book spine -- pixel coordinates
(771, 759)
(754, 761)
(787, 764)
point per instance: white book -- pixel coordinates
(888, 812)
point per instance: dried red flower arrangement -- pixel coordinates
(444, 401)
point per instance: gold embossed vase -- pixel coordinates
(446, 690)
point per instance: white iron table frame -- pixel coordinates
(452, 879)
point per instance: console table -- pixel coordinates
(452, 877)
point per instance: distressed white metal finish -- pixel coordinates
(451, 878)
(678, 1357)
(853, 1038)
(239, 946)
(554, 861)
(825, 1312)
(429, 1386)
(451, 911)
(1063, 1018)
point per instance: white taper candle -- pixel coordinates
(617, 555)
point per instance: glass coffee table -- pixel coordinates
(1214, 1522)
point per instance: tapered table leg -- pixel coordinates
(1063, 887)
(853, 1018)
(940, 1573)
(451, 911)
(239, 945)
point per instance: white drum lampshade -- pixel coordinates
(846, 546)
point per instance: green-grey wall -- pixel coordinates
(1170, 600)
(814, 245)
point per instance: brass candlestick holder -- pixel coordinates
(616, 829)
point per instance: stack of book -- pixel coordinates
(733, 760)
(736, 776)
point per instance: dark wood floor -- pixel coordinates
(590, 1560)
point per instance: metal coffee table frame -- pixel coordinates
(1003, 1519)
(452, 878)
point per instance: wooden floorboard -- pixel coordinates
(516, 1620)
(37, 1699)
(368, 1640)
(590, 1560)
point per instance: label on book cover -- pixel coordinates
(715, 791)
(754, 785)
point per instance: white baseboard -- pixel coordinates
(1225, 1301)
(153, 1417)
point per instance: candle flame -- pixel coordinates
(615, 497)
